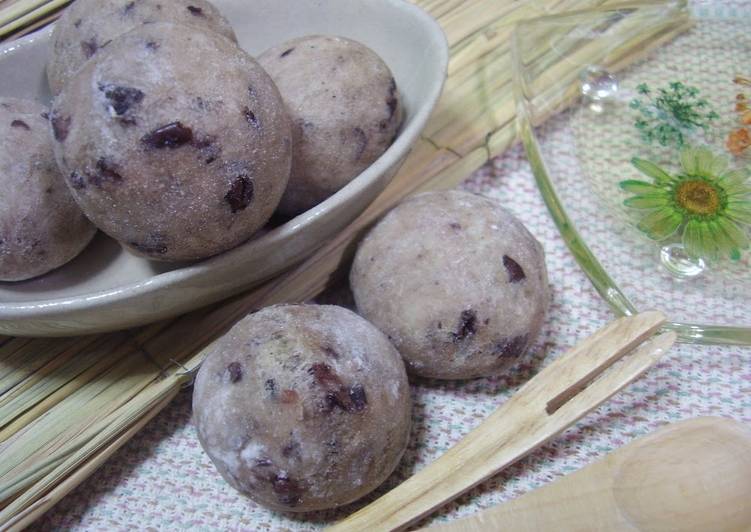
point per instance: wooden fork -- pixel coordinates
(557, 397)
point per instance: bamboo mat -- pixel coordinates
(68, 404)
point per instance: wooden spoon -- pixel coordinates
(692, 476)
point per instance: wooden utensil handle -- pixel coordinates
(693, 476)
(521, 425)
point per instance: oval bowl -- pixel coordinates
(107, 288)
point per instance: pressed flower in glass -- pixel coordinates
(706, 204)
(672, 113)
(688, 90)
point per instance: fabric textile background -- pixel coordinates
(162, 479)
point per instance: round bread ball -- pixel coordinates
(345, 111)
(174, 142)
(41, 227)
(88, 26)
(457, 283)
(303, 407)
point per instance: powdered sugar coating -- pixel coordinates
(303, 407)
(345, 111)
(87, 26)
(456, 282)
(41, 227)
(173, 141)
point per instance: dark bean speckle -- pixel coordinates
(361, 142)
(89, 48)
(208, 147)
(391, 101)
(196, 11)
(324, 375)
(77, 23)
(285, 53)
(270, 386)
(250, 117)
(152, 45)
(45, 115)
(76, 181)
(203, 142)
(20, 124)
(128, 7)
(348, 399)
(235, 372)
(291, 449)
(358, 398)
(467, 325)
(155, 244)
(514, 270)
(336, 399)
(60, 126)
(171, 136)
(288, 490)
(106, 171)
(455, 226)
(332, 446)
(240, 194)
(120, 98)
(512, 347)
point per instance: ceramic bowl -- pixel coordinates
(107, 288)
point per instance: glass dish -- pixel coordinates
(632, 170)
